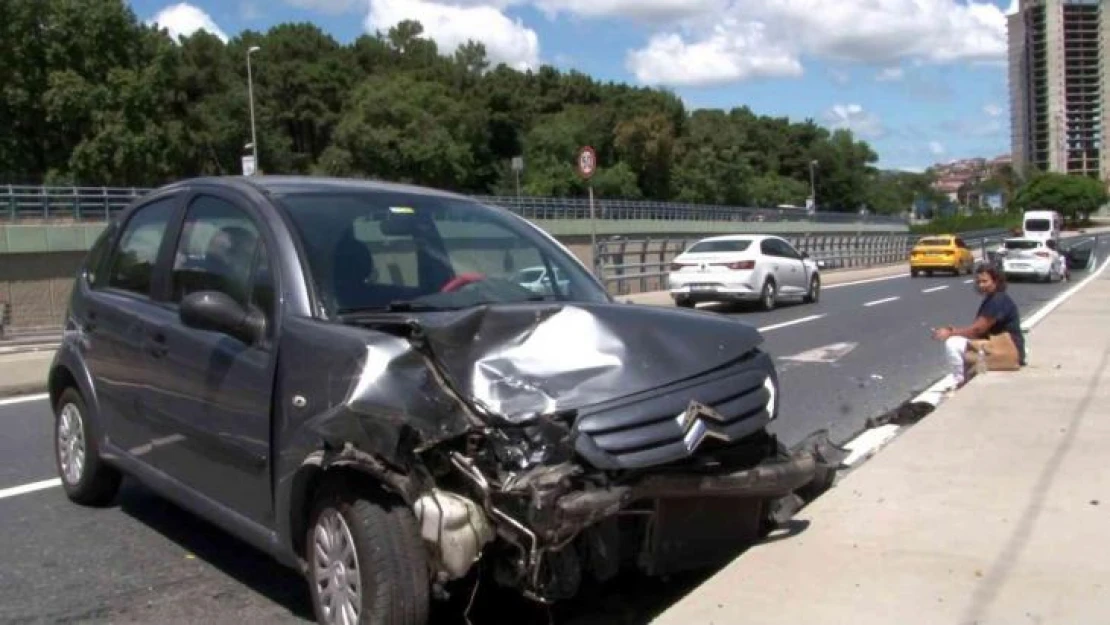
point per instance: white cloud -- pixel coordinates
(332, 7)
(993, 110)
(867, 31)
(840, 77)
(890, 74)
(735, 51)
(853, 117)
(184, 19)
(936, 148)
(652, 10)
(506, 40)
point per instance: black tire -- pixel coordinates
(392, 570)
(914, 273)
(814, 293)
(684, 302)
(767, 297)
(94, 483)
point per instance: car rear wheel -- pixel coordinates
(767, 298)
(684, 302)
(86, 479)
(366, 561)
(814, 292)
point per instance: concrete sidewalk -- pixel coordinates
(24, 372)
(993, 509)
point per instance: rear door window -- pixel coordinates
(132, 266)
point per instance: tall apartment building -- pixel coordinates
(1059, 84)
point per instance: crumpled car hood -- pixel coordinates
(524, 360)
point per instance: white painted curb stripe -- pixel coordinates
(1044, 311)
(29, 488)
(24, 399)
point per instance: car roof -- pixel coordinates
(740, 237)
(938, 236)
(302, 184)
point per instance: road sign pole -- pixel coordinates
(593, 232)
(587, 164)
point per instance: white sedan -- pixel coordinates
(729, 268)
(1027, 257)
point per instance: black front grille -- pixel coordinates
(647, 431)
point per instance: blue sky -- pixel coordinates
(923, 81)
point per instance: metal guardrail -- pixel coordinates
(638, 265)
(56, 204)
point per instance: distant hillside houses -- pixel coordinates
(961, 182)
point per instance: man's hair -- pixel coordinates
(996, 275)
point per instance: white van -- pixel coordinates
(1042, 225)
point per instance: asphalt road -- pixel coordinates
(144, 560)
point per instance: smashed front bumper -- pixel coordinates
(567, 517)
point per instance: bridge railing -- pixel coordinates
(638, 265)
(61, 204)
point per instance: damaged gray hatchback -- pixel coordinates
(368, 382)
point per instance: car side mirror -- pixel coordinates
(804, 254)
(218, 312)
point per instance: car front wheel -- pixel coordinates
(366, 562)
(86, 479)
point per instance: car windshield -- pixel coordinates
(935, 241)
(1038, 225)
(379, 250)
(730, 245)
(1019, 244)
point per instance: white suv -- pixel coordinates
(1025, 257)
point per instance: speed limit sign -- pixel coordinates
(587, 161)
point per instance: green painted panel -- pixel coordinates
(26, 239)
(16, 239)
(65, 239)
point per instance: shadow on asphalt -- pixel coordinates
(628, 599)
(231, 556)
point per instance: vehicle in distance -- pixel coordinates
(743, 268)
(943, 252)
(538, 280)
(1042, 225)
(1023, 257)
(349, 376)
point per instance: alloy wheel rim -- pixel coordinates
(336, 569)
(71, 444)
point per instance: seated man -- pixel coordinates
(996, 330)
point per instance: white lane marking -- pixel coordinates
(827, 353)
(969, 281)
(867, 444)
(1043, 312)
(23, 399)
(790, 323)
(867, 281)
(882, 301)
(934, 289)
(29, 488)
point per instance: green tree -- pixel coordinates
(1074, 196)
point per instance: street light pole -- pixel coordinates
(250, 91)
(813, 184)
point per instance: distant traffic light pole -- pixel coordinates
(250, 91)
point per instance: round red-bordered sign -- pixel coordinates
(587, 161)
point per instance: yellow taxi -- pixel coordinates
(941, 252)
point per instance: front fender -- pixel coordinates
(69, 368)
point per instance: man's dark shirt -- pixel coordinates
(1002, 309)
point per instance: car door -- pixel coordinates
(214, 389)
(117, 311)
(787, 264)
(966, 259)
